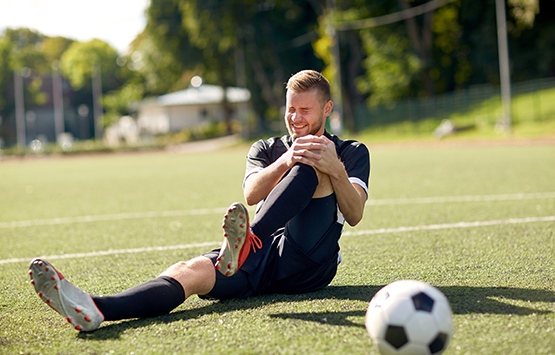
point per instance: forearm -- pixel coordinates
(258, 185)
(350, 197)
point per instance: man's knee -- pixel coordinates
(197, 276)
(306, 172)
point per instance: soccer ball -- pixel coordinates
(408, 318)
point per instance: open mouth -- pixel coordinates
(298, 126)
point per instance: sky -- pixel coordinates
(116, 22)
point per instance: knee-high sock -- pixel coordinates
(290, 196)
(153, 298)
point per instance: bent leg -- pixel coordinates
(290, 196)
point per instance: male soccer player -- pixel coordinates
(306, 184)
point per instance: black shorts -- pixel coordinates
(281, 266)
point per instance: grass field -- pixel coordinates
(476, 221)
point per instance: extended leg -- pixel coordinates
(162, 294)
(153, 298)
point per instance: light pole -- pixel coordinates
(503, 48)
(58, 99)
(19, 109)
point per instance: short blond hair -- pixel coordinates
(306, 80)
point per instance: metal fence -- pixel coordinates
(484, 101)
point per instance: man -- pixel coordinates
(306, 184)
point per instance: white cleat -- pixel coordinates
(75, 305)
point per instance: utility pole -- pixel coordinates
(503, 48)
(58, 99)
(97, 102)
(19, 109)
(336, 119)
(241, 78)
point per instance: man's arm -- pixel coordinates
(351, 197)
(305, 150)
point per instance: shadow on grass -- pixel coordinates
(463, 300)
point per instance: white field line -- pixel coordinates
(452, 225)
(110, 217)
(472, 198)
(112, 252)
(176, 213)
(366, 232)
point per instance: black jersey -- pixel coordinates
(353, 154)
(281, 265)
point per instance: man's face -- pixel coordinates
(305, 114)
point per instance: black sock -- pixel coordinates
(153, 298)
(290, 196)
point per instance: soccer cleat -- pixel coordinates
(75, 305)
(238, 240)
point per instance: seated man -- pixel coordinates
(306, 184)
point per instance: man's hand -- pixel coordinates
(306, 150)
(328, 163)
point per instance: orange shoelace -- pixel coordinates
(256, 242)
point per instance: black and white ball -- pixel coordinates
(408, 318)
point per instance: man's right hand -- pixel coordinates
(306, 150)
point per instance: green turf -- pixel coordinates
(499, 279)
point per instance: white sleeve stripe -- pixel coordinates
(358, 181)
(252, 171)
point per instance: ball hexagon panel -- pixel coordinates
(398, 310)
(421, 328)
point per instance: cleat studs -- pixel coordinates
(32, 282)
(78, 327)
(53, 277)
(46, 268)
(229, 266)
(87, 319)
(30, 272)
(225, 234)
(47, 301)
(40, 263)
(217, 266)
(55, 287)
(219, 258)
(240, 216)
(242, 225)
(68, 320)
(239, 239)
(78, 310)
(236, 245)
(227, 273)
(40, 294)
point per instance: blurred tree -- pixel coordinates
(6, 72)
(28, 60)
(79, 60)
(54, 47)
(263, 42)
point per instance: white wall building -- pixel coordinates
(189, 108)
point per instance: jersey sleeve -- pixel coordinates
(356, 159)
(257, 158)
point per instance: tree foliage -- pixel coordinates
(79, 61)
(260, 44)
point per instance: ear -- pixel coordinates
(327, 108)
